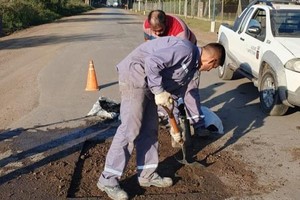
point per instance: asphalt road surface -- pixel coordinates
(43, 74)
(44, 69)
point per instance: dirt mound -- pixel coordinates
(73, 173)
(222, 174)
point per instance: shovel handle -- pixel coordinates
(173, 122)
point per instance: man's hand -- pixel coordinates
(164, 99)
(176, 136)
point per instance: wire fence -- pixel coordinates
(217, 10)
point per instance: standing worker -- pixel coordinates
(158, 24)
(155, 73)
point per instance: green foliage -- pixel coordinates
(19, 14)
(203, 25)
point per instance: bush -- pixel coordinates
(21, 14)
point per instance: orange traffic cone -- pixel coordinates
(92, 84)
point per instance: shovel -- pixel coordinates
(177, 131)
(182, 142)
(188, 160)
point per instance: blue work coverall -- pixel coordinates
(164, 64)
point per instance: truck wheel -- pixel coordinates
(269, 96)
(224, 72)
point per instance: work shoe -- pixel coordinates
(115, 193)
(157, 181)
(203, 132)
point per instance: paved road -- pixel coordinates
(43, 74)
(44, 69)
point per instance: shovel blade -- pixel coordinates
(187, 160)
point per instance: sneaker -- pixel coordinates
(158, 182)
(115, 193)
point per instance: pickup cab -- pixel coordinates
(263, 45)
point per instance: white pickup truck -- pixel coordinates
(264, 46)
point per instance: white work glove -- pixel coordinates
(164, 99)
(176, 136)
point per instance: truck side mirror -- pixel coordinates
(254, 27)
(254, 30)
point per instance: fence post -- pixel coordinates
(200, 8)
(192, 8)
(185, 8)
(239, 9)
(139, 5)
(160, 5)
(179, 7)
(213, 21)
(174, 12)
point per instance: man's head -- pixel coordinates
(212, 56)
(157, 21)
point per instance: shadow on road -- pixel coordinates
(239, 114)
(54, 38)
(50, 145)
(44, 40)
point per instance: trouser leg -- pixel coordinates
(147, 143)
(133, 104)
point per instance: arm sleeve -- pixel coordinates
(182, 29)
(184, 34)
(193, 104)
(189, 35)
(160, 60)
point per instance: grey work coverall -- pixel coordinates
(166, 63)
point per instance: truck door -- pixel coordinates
(253, 38)
(237, 43)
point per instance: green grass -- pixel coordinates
(197, 23)
(203, 25)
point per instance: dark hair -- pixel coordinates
(220, 49)
(161, 16)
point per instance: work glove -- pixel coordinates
(176, 136)
(164, 99)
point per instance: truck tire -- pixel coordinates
(270, 101)
(224, 72)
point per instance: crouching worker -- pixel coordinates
(153, 74)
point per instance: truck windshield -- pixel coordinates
(285, 23)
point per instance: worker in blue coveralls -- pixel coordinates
(153, 74)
